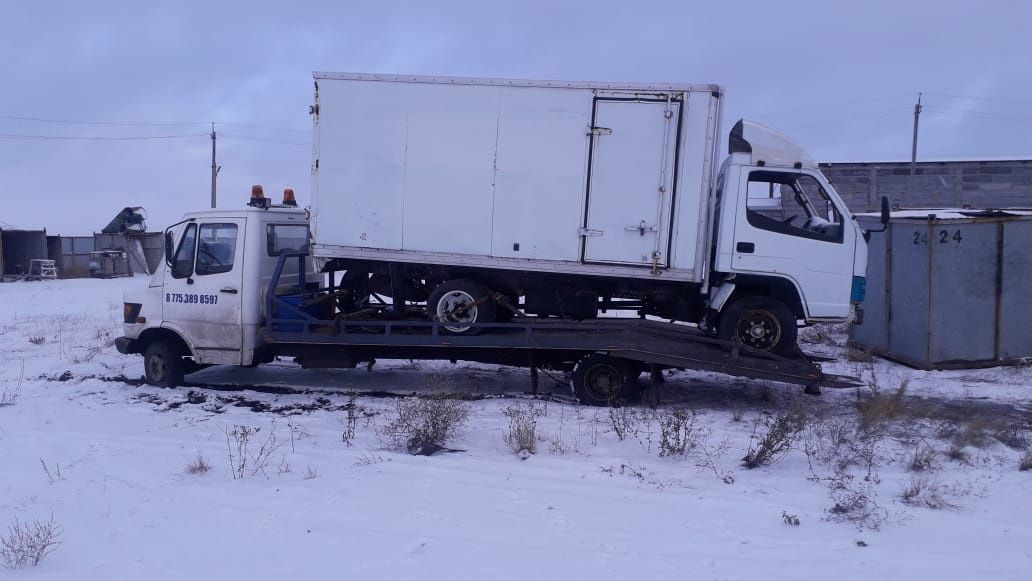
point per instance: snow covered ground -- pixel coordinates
(107, 458)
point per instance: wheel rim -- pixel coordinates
(157, 367)
(457, 307)
(759, 329)
(603, 382)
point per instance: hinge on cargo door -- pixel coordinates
(601, 131)
(589, 232)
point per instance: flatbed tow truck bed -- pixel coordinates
(630, 344)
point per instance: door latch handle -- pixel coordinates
(228, 290)
(641, 228)
(745, 247)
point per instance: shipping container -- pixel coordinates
(950, 289)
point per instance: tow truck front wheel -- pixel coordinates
(761, 323)
(601, 380)
(163, 363)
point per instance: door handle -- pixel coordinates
(228, 290)
(745, 247)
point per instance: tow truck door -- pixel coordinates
(202, 289)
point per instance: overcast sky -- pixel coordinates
(839, 77)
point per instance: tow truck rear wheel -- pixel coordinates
(762, 323)
(461, 301)
(163, 364)
(601, 380)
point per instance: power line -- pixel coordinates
(263, 139)
(307, 131)
(96, 137)
(1018, 101)
(111, 123)
(147, 124)
(985, 114)
(831, 106)
(850, 119)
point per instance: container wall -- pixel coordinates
(20, 247)
(75, 256)
(908, 284)
(1015, 303)
(963, 291)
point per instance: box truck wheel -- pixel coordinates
(761, 323)
(461, 301)
(163, 363)
(601, 380)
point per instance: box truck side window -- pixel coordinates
(793, 204)
(282, 238)
(182, 262)
(217, 248)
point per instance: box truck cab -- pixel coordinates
(783, 240)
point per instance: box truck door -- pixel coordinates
(630, 185)
(202, 293)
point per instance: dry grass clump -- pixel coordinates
(198, 465)
(923, 459)
(880, 408)
(923, 491)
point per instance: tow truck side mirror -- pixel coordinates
(168, 248)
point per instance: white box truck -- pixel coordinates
(503, 220)
(575, 196)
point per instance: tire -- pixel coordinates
(601, 380)
(761, 323)
(163, 363)
(461, 301)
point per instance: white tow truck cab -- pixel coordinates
(589, 198)
(205, 302)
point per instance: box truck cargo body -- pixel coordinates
(595, 179)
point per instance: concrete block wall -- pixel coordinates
(937, 184)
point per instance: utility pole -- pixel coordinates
(215, 170)
(913, 149)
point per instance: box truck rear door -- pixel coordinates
(630, 187)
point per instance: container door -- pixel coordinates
(630, 188)
(202, 291)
